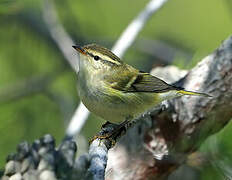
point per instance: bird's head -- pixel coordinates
(97, 58)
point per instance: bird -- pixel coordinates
(116, 91)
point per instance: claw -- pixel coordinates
(101, 137)
(111, 136)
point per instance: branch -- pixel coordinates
(183, 126)
(59, 35)
(64, 42)
(41, 160)
(128, 36)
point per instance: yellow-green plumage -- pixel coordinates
(115, 90)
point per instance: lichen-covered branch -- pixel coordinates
(200, 117)
(41, 160)
(183, 126)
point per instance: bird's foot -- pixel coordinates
(111, 131)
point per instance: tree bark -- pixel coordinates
(155, 148)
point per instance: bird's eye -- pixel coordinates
(96, 58)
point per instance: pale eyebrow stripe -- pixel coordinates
(109, 60)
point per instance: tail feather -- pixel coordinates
(184, 92)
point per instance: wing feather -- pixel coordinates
(144, 82)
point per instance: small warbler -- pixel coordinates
(116, 91)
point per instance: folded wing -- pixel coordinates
(144, 82)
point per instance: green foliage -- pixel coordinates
(27, 50)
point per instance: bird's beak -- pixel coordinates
(79, 49)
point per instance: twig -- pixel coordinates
(78, 120)
(65, 43)
(59, 35)
(132, 31)
(98, 158)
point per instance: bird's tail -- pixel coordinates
(184, 92)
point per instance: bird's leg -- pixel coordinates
(112, 131)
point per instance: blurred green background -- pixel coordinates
(38, 92)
